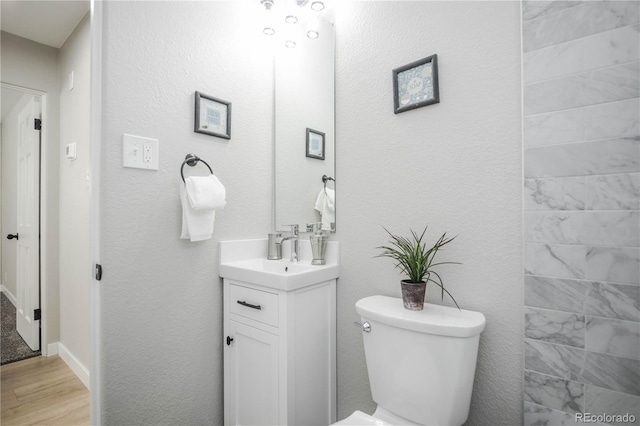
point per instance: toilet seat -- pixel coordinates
(358, 418)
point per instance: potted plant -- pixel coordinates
(414, 259)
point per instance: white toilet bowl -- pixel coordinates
(381, 417)
(407, 353)
(358, 418)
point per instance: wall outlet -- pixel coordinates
(147, 153)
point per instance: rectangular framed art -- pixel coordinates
(315, 144)
(212, 116)
(416, 85)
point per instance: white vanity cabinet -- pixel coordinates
(279, 354)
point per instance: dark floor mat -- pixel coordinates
(12, 347)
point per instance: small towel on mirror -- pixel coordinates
(205, 193)
(326, 205)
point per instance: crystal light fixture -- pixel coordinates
(269, 28)
(293, 13)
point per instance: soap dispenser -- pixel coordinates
(318, 245)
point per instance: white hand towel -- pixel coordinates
(197, 225)
(205, 193)
(326, 205)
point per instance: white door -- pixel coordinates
(250, 376)
(28, 214)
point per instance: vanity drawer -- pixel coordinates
(254, 304)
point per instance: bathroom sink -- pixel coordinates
(246, 261)
(277, 266)
(278, 274)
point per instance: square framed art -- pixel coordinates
(212, 116)
(315, 144)
(416, 85)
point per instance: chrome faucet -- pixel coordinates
(294, 242)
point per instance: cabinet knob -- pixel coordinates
(229, 340)
(12, 236)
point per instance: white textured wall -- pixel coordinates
(455, 165)
(75, 250)
(161, 296)
(35, 66)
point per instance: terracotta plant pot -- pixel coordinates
(413, 294)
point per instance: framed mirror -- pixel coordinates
(305, 131)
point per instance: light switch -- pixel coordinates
(139, 152)
(70, 151)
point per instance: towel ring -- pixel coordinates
(325, 178)
(192, 160)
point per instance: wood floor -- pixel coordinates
(42, 391)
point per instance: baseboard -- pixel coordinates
(52, 349)
(74, 364)
(10, 296)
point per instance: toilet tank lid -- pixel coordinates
(433, 319)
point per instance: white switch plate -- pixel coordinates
(139, 152)
(70, 151)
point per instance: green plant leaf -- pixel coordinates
(414, 259)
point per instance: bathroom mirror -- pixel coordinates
(305, 130)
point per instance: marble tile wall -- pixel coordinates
(581, 142)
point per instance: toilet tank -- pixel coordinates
(421, 364)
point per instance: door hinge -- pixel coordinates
(36, 314)
(98, 272)
(37, 124)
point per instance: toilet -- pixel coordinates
(421, 364)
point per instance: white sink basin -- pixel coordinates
(278, 274)
(246, 261)
(274, 266)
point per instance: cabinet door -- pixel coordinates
(250, 376)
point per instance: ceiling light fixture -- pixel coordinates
(269, 28)
(292, 12)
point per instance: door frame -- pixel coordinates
(95, 377)
(47, 153)
(45, 157)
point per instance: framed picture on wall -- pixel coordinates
(212, 116)
(315, 144)
(416, 85)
